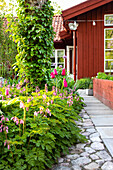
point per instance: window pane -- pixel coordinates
(53, 60)
(108, 34)
(109, 44)
(60, 60)
(108, 54)
(61, 65)
(108, 65)
(109, 19)
(60, 53)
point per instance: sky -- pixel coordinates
(64, 4)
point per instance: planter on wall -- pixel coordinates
(103, 90)
(89, 92)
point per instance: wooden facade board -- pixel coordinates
(90, 42)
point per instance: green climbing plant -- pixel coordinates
(33, 32)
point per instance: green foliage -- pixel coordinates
(7, 50)
(104, 76)
(33, 32)
(84, 83)
(48, 127)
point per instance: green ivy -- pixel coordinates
(33, 32)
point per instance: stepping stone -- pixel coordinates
(92, 166)
(97, 146)
(81, 161)
(104, 155)
(107, 166)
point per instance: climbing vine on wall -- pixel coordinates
(33, 32)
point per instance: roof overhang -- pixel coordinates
(82, 8)
(65, 35)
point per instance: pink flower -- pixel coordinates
(63, 72)
(7, 119)
(51, 101)
(5, 143)
(27, 108)
(22, 105)
(28, 100)
(64, 56)
(36, 113)
(52, 75)
(55, 72)
(65, 83)
(21, 121)
(8, 146)
(7, 92)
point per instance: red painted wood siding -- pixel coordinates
(90, 42)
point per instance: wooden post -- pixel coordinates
(74, 56)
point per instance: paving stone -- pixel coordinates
(74, 156)
(84, 154)
(94, 157)
(85, 116)
(62, 168)
(91, 130)
(92, 166)
(104, 155)
(94, 135)
(81, 161)
(65, 164)
(76, 167)
(89, 150)
(97, 146)
(96, 139)
(86, 133)
(60, 160)
(80, 146)
(100, 162)
(107, 166)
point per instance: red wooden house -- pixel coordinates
(85, 35)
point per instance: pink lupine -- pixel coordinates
(65, 83)
(7, 92)
(52, 75)
(55, 72)
(63, 72)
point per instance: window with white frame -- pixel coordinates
(57, 58)
(108, 20)
(108, 49)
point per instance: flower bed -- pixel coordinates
(36, 127)
(103, 90)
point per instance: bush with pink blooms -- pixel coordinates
(36, 127)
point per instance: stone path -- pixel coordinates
(97, 153)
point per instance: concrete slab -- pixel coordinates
(109, 145)
(105, 132)
(99, 112)
(103, 120)
(93, 107)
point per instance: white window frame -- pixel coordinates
(106, 50)
(105, 20)
(56, 58)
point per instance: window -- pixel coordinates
(108, 49)
(57, 58)
(108, 20)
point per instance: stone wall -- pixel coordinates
(103, 90)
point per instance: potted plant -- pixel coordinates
(89, 91)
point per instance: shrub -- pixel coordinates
(104, 76)
(36, 128)
(84, 83)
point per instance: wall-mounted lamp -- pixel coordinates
(73, 26)
(94, 23)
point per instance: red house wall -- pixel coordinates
(90, 42)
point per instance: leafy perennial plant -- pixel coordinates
(35, 128)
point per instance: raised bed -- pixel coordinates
(103, 90)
